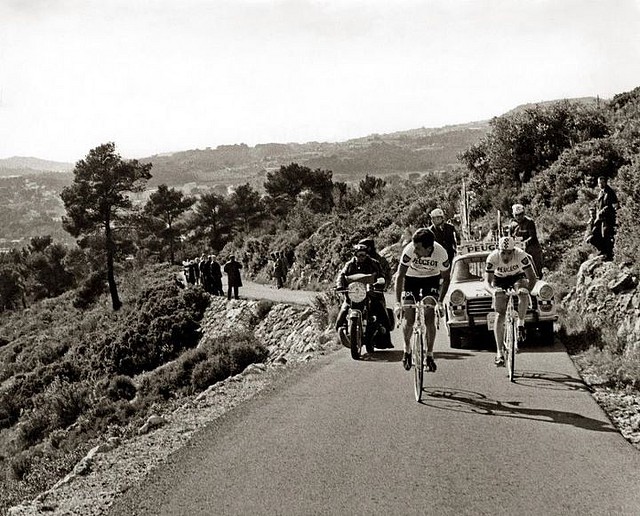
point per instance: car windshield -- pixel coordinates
(468, 269)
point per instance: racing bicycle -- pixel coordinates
(419, 343)
(510, 335)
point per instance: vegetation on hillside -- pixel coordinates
(68, 377)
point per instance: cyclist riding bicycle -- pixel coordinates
(422, 264)
(508, 267)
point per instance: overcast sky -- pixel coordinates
(159, 76)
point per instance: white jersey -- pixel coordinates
(515, 266)
(424, 266)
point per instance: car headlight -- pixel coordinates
(546, 292)
(357, 292)
(457, 297)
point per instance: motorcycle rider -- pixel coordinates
(360, 263)
(385, 343)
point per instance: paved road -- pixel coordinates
(347, 437)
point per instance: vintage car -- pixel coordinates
(467, 304)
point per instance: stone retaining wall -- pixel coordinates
(290, 332)
(608, 296)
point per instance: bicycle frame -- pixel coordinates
(510, 334)
(418, 339)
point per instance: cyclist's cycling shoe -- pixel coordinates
(406, 361)
(344, 338)
(522, 334)
(431, 364)
(499, 362)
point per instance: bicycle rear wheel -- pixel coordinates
(417, 350)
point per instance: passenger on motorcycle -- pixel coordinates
(422, 264)
(508, 267)
(360, 263)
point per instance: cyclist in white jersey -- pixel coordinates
(422, 264)
(508, 267)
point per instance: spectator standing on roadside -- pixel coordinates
(594, 231)
(279, 270)
(446, 234)
(525, 228)
(216, 277)
(191, 272)
(205, 273)
(234, 280)
(606, 206)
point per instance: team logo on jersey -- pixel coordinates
(525, 261)
(406, 258)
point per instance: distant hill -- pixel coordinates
(587, 101)
(400, 153)
(23, 166)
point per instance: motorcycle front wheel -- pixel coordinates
(355, 336)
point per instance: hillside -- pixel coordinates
(417, 150)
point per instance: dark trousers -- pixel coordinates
(235, 291)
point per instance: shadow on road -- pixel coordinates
(384, 355)
(552, 381)
(477, 403)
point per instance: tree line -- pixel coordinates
(110, 230)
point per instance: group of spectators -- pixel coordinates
(207, 272)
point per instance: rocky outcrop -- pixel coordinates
(608, 296)
(290, 332)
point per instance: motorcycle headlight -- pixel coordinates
(357, 292)
(546, 292)
(457, 297)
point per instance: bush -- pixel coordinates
(121, 387)
(263, 307)
(91, 289)
(212, 370)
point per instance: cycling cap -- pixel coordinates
(423, 236)
(368, 242)
(517, 209)
(359, 248)
(506, 243)
(437, 213)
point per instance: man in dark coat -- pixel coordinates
(525, 228)
(606, 206)
(446, 234)
(216, 277)
(234, 280)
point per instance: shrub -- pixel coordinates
(91, 289)
(211, 371)
(121, 387)
(263, 307)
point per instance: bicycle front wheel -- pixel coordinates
(510, 348)
(417, 350)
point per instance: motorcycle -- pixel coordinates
(363, 328)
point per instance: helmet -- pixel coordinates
(506, 243)
(423, 236)
(517, 209)
(437, 213)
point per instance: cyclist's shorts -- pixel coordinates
(507, 282)
(422, 287)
